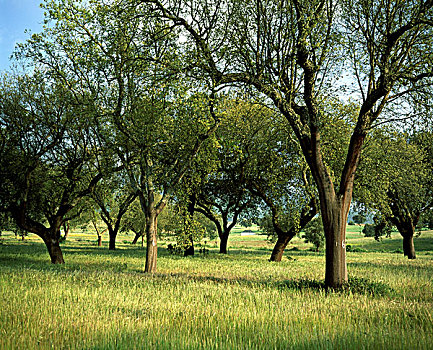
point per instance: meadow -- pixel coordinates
(101, 299)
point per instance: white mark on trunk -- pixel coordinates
(154, 243)
(343, 244)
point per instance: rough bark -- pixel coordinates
(50, 236)
(137, 236)
(280, 246)
(224, 237)
(408, 247)
(152, 247)
(112, 239)
(54, 250)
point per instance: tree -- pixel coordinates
(113, 198)
(401, 187)
(150, 119)
(47, 156)
(294, 53)
(313, 233)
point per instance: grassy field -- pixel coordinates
(103, 300)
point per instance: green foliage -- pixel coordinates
(313, 233)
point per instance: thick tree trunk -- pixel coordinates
(334, 217)
(223, 242)
(408, 246)
(54, 250)
(189, 251)
(280, 246)
(152, 248)
(112, 240)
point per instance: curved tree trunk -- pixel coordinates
(280, 246)
(53, 247)
(137, 236)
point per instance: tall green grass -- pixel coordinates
(103, 300)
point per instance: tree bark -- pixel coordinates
(50, 236)
(152, 248)
(189, 251)
(112, 240)
(280, 246)
(223, 242)
(66, 229)
(137, 236)
(408, 247)
(99, 241)
(51, 240)
(334, 224)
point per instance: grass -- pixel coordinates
(103, 300)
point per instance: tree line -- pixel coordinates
(222, 107)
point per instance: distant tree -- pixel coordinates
(359, 218)
(401, 187)
(314, 233)
(47, 156)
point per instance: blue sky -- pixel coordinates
(15, 17)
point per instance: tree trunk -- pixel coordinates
(137, 236)
(408, 247)
(66, 229)
(152, 248)
(99, 241)
(112, 240)
(54, 250)
(189, 251)
(223, 242)
(334, 217)
(280, 246)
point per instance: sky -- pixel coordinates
(15, 17)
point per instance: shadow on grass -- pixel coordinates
(391, 245)
(355, 285)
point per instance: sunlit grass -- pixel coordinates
(103, 300)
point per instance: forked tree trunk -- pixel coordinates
(284, 237)
(152, 247)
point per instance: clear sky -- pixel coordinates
(15, 17)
